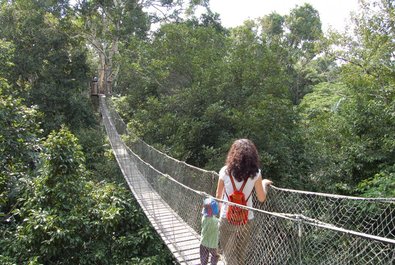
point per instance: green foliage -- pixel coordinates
(18, 145)
(6, 53)
(56, 211)
(273, 24)
(68, 219)
(298, 42)
(48, 64)
(196, 88)
(208, 87)
(381, 185)
(305, 26)
(183, 59)
(62, 156)
(325, 133)
(7, 260)
(100, 160)
(190, 89)
(349, 127)
(350, 135)
(104, 25)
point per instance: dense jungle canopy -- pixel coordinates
(320, 106)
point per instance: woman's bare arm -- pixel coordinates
(261, 188)
(220, 189)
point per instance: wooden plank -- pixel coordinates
(176, 233)
(185, 246)
(170, 223)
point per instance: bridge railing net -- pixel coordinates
(291, 227)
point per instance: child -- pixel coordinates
(210, 232)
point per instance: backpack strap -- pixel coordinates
(242, 186)
(234, 186)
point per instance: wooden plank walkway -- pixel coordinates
(181, 239)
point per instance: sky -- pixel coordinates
(333, 13)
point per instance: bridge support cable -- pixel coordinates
(292, 227)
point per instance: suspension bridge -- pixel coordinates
(291, 227)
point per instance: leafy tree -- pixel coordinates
(326, 131)
(65, 215)
(18, 145)
(6, 54)
(357, 138)
(304, 25)
(104, 25)
(183, 60)
(369, 75)
(297, 38)
(49, 65)
(257, 92)
(107, 25)
(100, 160)
(68, 219)
(273, 24)
(199, 87)
(304, 35)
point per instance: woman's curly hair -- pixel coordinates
(242, 160)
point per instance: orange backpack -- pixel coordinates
(237, 215)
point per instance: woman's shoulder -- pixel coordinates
(222, 173)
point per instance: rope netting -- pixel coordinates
(291, 227)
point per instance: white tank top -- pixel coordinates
(248, 189)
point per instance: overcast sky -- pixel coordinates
(334, 13)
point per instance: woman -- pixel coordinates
(242, 165)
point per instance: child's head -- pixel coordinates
(210, 207)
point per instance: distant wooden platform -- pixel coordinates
(181, 239)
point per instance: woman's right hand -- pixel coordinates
(266, 182)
